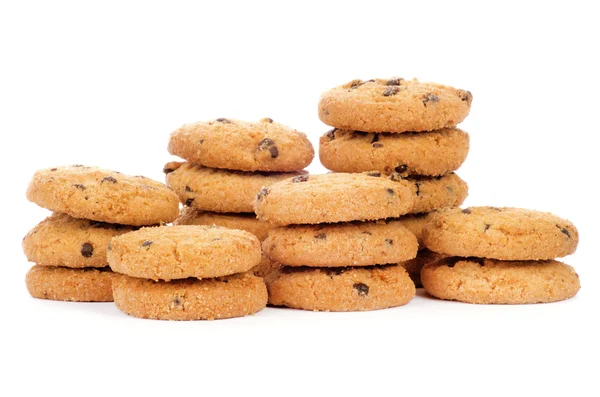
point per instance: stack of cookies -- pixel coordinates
(403, 128)
(187, 273)
(332, 260)
(90, 206)
(499, 255)
(229, 162)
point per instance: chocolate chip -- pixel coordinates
(189, 202)
(223, 120)
(394, 81)
(331, 133)
(168, 170)
(263, 193)
(465, 96)
(564, 231)
(356, 83)
(376, 174)
(362, 289)
(201, 141)
(401, 168)
(87, 250)
(268, 144)
(108, 179)
(370, 81)
(147, 243)
(53, 169)
(389, 241)
(418, 186)
(79, 186)
(391, 192)
(326, 112)
(377, 145)
(466, 211)
(321, 236)
(486, 227)
(430, 98)
(267, 120)
(300, 178)
(188, 189)
(393, 90)
(367, 233)
(177, 301)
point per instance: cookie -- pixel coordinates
(414, 266)
(340, 289)
(475, 280)
(61, 240)
(341, 244)
(425, 153)
(212, 189)
(66, 284)
(330, 198)
(394, 105)
(433, 193)
(191, 299)
(414, 223)
(241, 145)
(247, 222)
(499, 233)
(104, 196)
(175, 252)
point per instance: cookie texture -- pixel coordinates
(104, 196)
(242, 221)
(414, 223)
(329, 198)
(265, 267)
(217, 190)
(341, 244)
(414, 266)
(191, 299)
(67, 284)
(61, 240)
(241, 145)
(425, 153)
(394, 105)
(499, 233)
(340, 289)
(176, 252)
(475, 280)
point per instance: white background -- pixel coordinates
(106, 84)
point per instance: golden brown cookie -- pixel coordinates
(499, 233)
(175, 252)
(423, 153)
(340, 289)
(414, 266)
(432, 193)
(212, 189)
(66, 284)
(330, 198)
(414, 223)
(61, 240)
(191, 299)
(475, 280)
(394, 105)
(104, 196)
(241, 145)
(341, 244)
(245, 221)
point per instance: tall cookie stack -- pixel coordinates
(91, 206)
(229, 162)
(187, 273)
(499, 255)
(403, 128)
(333, 260)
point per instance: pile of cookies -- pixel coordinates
(405, 129)
(91, 206)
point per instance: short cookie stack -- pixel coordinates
(499, 255)
(229, 162)
(187, 273)
(332, 260)
(91, 206)
(403, 128)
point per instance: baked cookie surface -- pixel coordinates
(218, 190)
(61, 240)
(414, 266)
(425, 153)
(340, 289)
(432, 193)
(475, 280)
(499, 233)
(176, 252)
(394, 105)
(104, 196)
(340, 244)
(414, 223)
(241, 145)
(191, 299)
(330, 198)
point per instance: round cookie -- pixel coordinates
(247, 222)
(176, 252)
(341, 244)
(486, 281)
(191, 299)
(241, 145)
(104, 196)
(499, 233)
(424, 153)
(414, 266)
(330, 198)
(432, 193)
(66, 284)
(61, 240)
(414, 223)
(340, 289)
(394, 105)
(217, 190)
